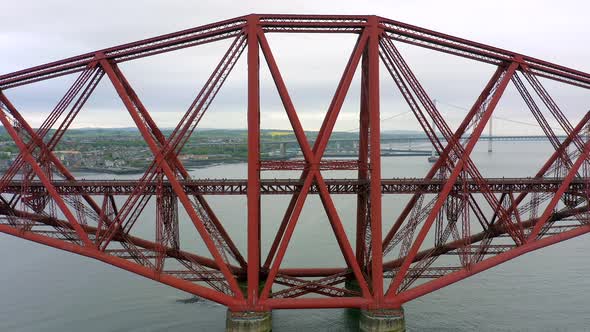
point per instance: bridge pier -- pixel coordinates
(382, 320)
(377, 320)
(248, 321)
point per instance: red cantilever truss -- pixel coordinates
(454, 210)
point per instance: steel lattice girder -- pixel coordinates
(290, 186)
(295, 23)
(28, 206)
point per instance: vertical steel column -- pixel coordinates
(375, 160)
(362, 197)
(253, 193)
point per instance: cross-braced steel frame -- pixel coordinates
(456, 223)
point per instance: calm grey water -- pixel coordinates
(43, 289)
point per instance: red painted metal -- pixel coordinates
(467, 229)
(209, 187)
(375, 160)
(253, 162)
(362, 209)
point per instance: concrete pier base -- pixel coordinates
(248, 321)
(382, 320)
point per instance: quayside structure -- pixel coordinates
(474, 222)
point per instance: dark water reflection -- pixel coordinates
(43, 289)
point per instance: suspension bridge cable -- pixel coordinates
(382, 120)
(531, 124)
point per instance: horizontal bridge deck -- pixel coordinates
(289, 186)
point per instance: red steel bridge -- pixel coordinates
(457, 223)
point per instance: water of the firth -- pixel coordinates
(43, 289)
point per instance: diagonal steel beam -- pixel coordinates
(553, 203)
(28, 157)
(441, 162)
(172, 146)
(409, 85)
(168, 171)
(450, 182)
(313, 156)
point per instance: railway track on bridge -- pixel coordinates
(290, 186)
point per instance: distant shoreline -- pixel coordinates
(194, 164)
(136, 170)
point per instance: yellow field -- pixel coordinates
(280, 133)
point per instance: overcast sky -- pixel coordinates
(34, 32)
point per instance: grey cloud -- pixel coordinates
(35, 32)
